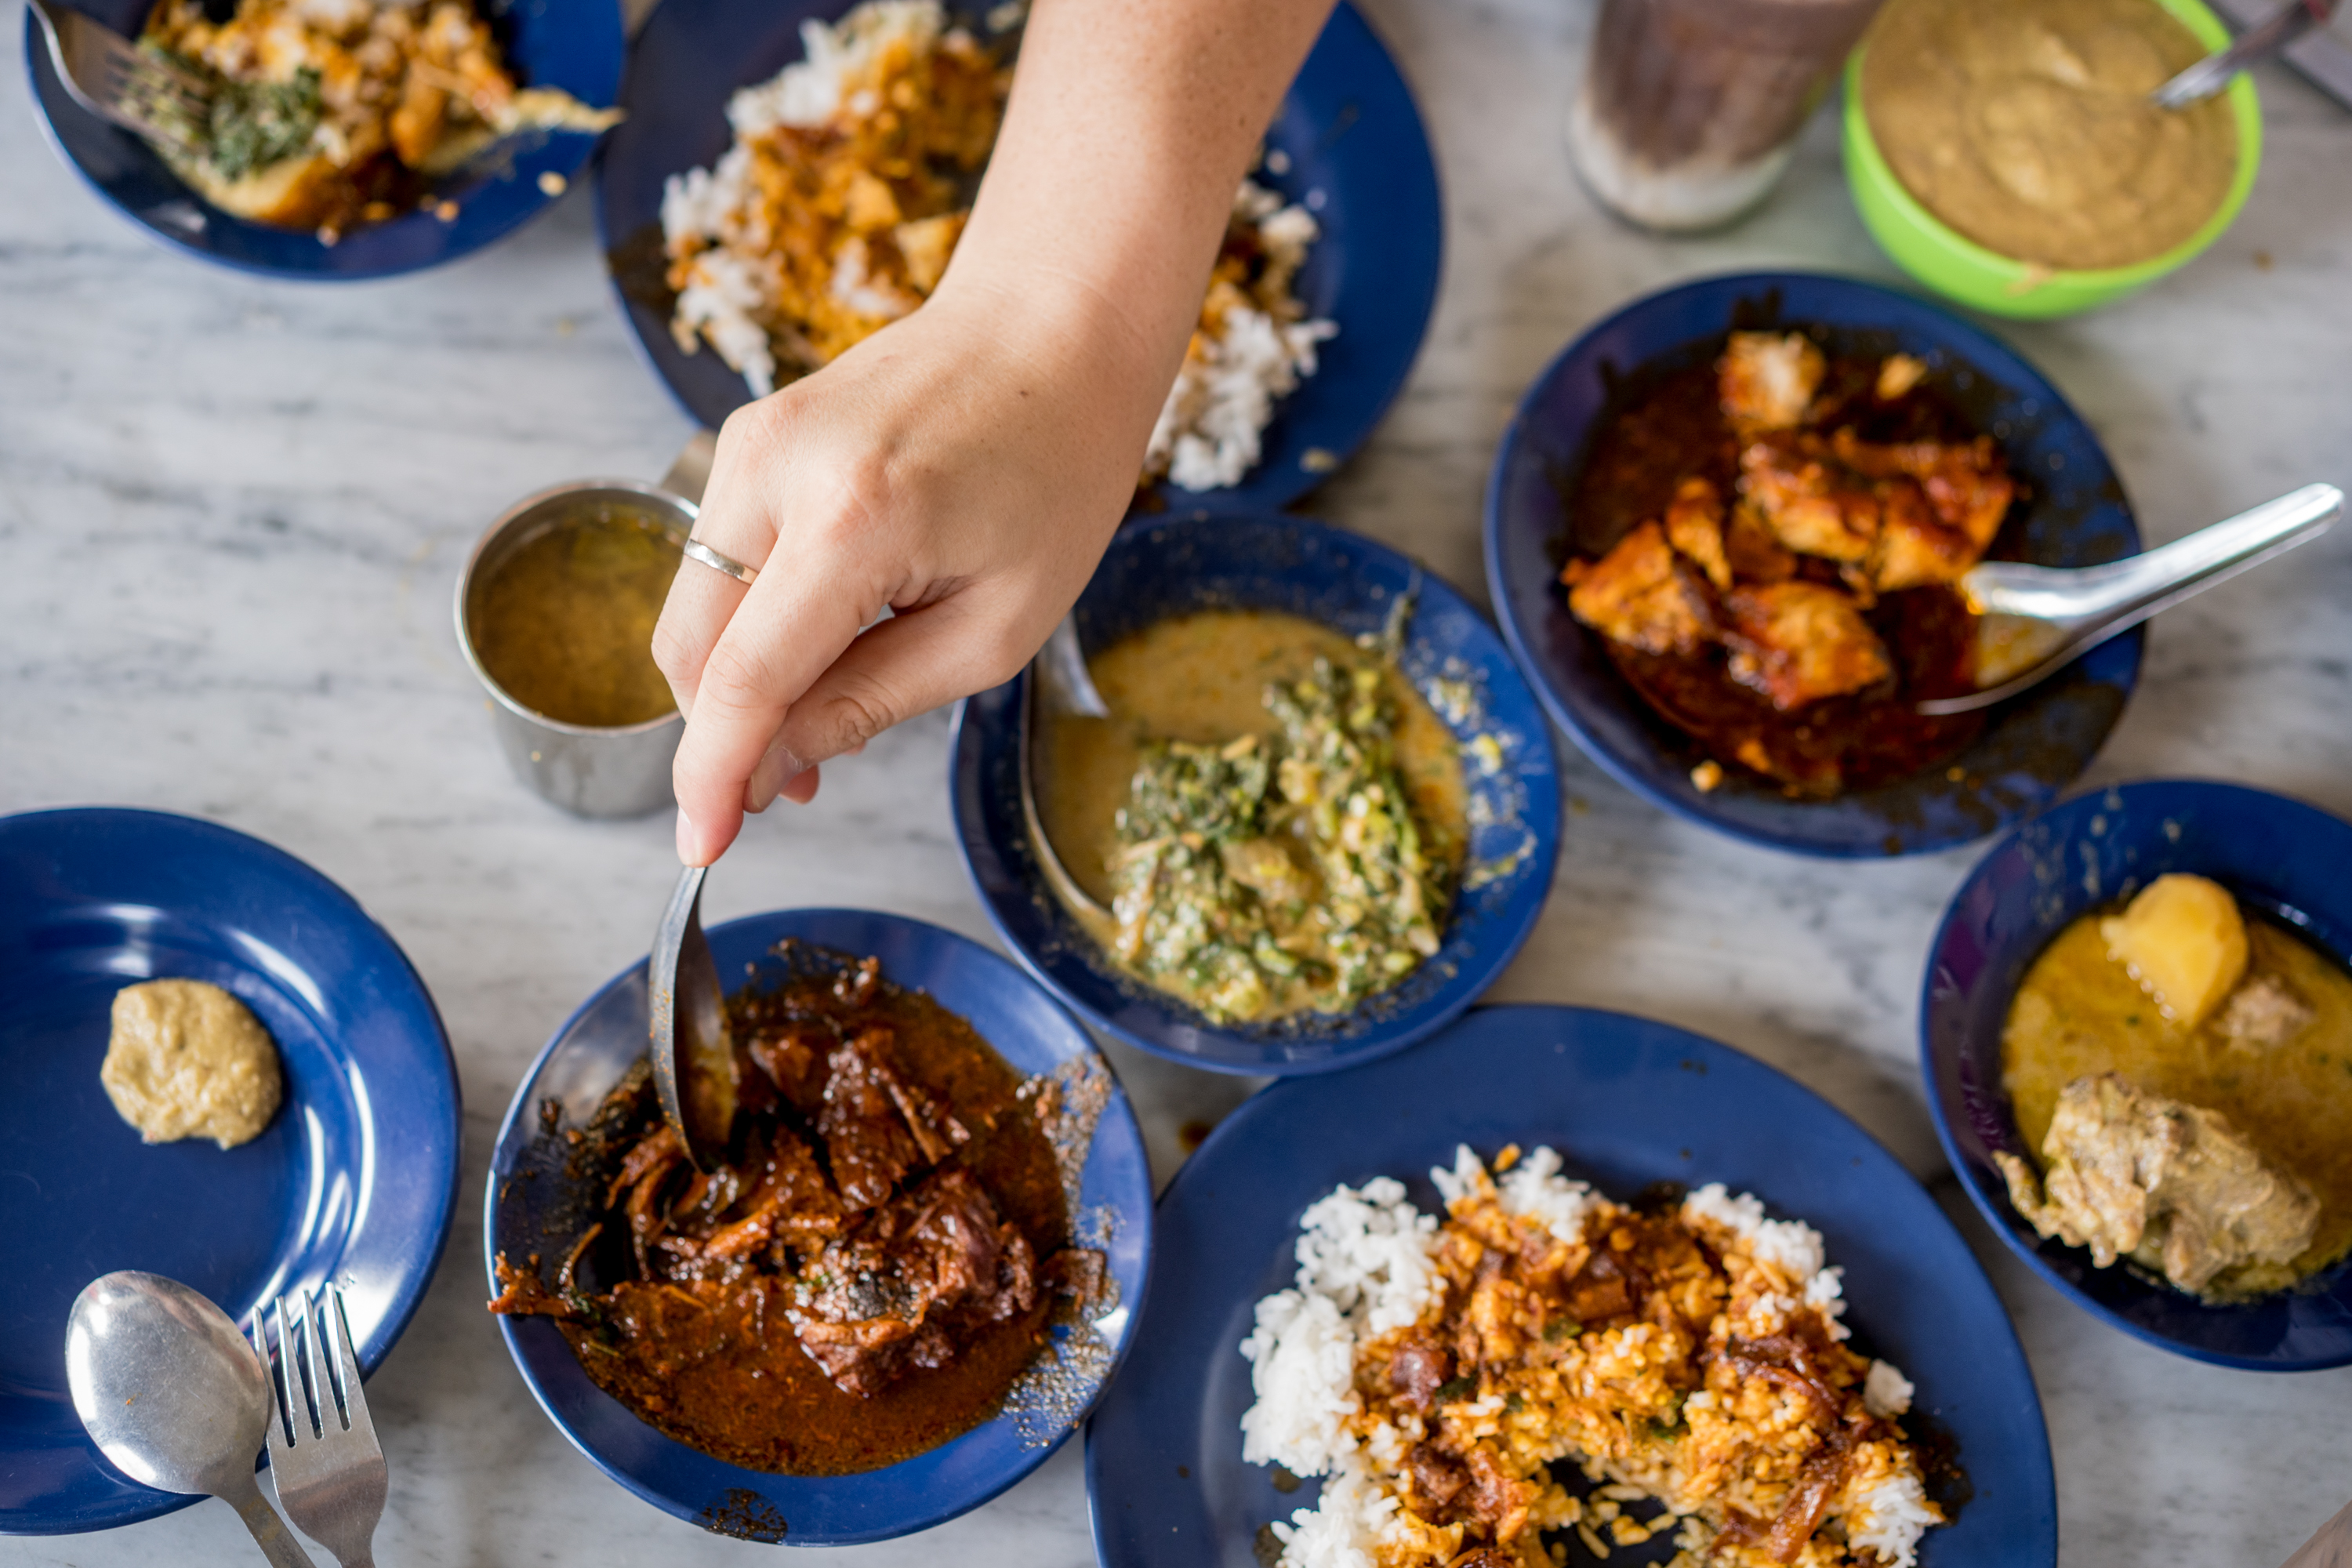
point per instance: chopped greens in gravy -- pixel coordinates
(1307, 862)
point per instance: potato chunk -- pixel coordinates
(2185, 942)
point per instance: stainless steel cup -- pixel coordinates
(590, 771)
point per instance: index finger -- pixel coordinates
(788, 630)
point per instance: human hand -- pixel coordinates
(964, 467)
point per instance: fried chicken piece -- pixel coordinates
(1966, 483)
(1642, 595)
(1694, 528)
(1812, 505)
(1754, 552)
(1766, 381)
(1799, 642)
(1914, 548)
(1899, 373)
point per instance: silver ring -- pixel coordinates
(697, 550)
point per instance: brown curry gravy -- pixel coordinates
(1671, 427)
(731, 1379)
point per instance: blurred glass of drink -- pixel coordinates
(1689, 108)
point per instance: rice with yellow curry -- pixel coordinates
(1434, 1373)
(837, 209)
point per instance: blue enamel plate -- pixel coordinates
(574, 45)
(353, 1181)
(2277, 855)
(1155, 570)
(2072, 514)
(526, 1208)
(1349, 131)
(1627, 1102)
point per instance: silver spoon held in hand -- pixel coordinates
(2036, 620)
(174, 1396)
(1059, 681)
(693, 1055)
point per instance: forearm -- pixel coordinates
(1131, 122)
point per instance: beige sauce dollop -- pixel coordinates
(2025, 125)
(186, 1059)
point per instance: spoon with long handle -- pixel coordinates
(1058, 679)
(2036, 620)
(174, 1396)
(693, 1059)
(2216, 70)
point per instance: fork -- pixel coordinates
(116, 80)
(323, 1454)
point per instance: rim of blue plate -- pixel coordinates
(575, 45)
(915, 1494)
(1163, 1452)
(1348, 127)
(428, 1142)
(2282, 856)
(1156, 569)
(2033, 746)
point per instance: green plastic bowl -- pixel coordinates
(1938, 256)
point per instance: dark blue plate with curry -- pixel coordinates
(1958, 781)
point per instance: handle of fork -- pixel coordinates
(269, 1531)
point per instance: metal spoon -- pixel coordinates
(2216, 70)
(693, 1059)
(1057, 677)
(174, 1396)
(2039, 619)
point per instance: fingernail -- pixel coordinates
(689, 843)
(801, 788)
(776, 770)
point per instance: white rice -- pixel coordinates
(1890, 1518)
(1364, 1269)
(1887, 1392)
(1210, 430)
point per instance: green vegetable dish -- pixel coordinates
(1283, 871)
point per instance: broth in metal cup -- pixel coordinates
(555, 612)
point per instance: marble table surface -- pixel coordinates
(231, 512)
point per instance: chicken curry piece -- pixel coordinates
(2185, 1074)
(1768, 545)
(867, 1275)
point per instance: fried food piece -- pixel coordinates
(2161, 1182)
(1694, 528)
(1914, 548)
(1799, 642)
(1813, 506)
(1642, 595)
(1766, 381)
(1899, 373)
(1966, 482)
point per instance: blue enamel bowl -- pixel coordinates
(2074, 514)
(574, 45)
(1349, 132)
(1155, 570)
(1628, 1103)
(2277, 854)
(354, 1180)
(529, 1205)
